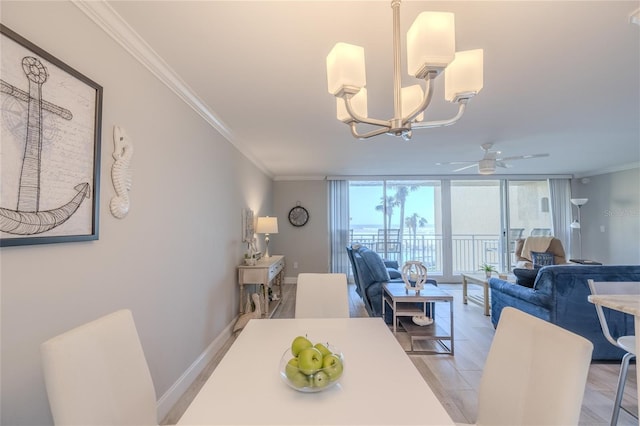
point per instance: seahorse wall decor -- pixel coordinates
(120, 173)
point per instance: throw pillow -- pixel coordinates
(525, 277)
(541, 259)
(394, 273)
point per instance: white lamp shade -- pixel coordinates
(431, 41)
(358, 103)
(345, 67)
(575, 225)
(464, 75)
(267, 225)
(411, 99)
(579, 201)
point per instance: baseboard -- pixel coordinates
(291, 280)
(175, 392)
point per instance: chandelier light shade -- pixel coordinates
(431, 43)
(345, 69)
(464, 76)
(358, 103)
(430, 50)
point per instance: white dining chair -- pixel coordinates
(535, 373)
(96, 374)
(626, 343)
(322, 296)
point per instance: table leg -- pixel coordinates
(464, 289)
(241, 298)
(395, 320)
(451, 329)
(265, 291)
(485, 287)
(637, 327)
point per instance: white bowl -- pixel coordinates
(308, 382)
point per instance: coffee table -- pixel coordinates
(403, 304)
(483, 280)
(476, 278)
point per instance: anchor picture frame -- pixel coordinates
(50, 131)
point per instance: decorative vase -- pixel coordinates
(487, 274)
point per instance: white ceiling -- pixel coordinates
(560, 77)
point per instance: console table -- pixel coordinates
(267, 272)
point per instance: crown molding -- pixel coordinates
(608, 170)
(103, 15)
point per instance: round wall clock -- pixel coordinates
(298, 216)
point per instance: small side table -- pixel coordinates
(402, 302)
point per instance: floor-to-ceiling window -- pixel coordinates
(451, 225)
(400, 220)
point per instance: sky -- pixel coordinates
(364, 199)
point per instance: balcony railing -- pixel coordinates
(469, 251)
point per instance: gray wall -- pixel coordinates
(611, 218)
(614, 203)
(171, 260)
(307, 245)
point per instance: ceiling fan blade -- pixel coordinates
(450, 163)
(503, 164)
(522, 157)
(465, 167)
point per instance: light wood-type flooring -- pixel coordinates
(455, 379)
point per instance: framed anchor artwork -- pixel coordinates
(50, 127)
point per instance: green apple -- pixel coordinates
(332, 365)
(320, 379)
(309, 360)
(291, 369)
(323, 349)
(300, 343)
(299, 380)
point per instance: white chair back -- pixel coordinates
(322, 296)
(96, 374)
(535, 373)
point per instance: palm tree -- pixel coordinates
(413, 222)
(402, 192)
(386, 206)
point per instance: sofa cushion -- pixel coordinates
(541, 259)
(376, 266)
(525, 277)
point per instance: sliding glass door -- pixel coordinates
(475, 224)
(400, 220)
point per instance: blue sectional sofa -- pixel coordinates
(559, 295)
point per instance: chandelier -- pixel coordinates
(430, 50)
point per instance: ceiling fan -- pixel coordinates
(488, 163)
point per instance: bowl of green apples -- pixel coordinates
(309, 367)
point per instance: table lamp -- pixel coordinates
(267, 225)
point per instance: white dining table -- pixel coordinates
(379, 385)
